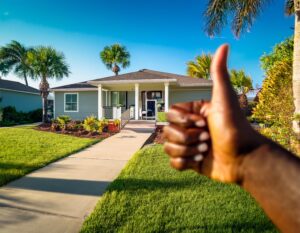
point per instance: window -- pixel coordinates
(118, 98)
(71, 102)
(154, 94)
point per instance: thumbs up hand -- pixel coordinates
(212, 138)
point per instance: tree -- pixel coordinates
(13, 57)
(243, 14)
(115, 56)
(242, 84)
(200, 67)
(47, 63)
(275, 99)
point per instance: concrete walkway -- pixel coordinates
(59, 197)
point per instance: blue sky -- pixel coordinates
(160, 34)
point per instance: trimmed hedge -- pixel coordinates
(10, 116)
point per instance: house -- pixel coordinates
(22, 97)
(136, 95)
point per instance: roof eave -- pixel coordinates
(96, 83)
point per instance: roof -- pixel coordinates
(81, 85)
(16, 86)
(141, 76)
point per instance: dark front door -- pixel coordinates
(151, 109)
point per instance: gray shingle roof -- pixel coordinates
(16, 86)
(76, 85)
(182, 80)
(145, 74)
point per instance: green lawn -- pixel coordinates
(149, 196)
(24, 149)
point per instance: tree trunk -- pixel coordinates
(296, 66)
(44, 89)
(116, 69)
(25, 78)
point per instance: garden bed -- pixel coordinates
(89, 128)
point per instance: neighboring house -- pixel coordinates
(22, 97)
(139, 95)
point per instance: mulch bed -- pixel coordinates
(77, 133)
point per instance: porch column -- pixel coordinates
(136, 88)
(100, 105)
(166, 97)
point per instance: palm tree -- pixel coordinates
(242, 84)
(200, 67)
(47, 63)
(243, 15)
(13, 57)
(115, 55)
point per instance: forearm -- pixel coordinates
(271, 175)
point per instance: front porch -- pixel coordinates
(132, 101)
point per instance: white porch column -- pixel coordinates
(136, 96)
(100, 105)
(166, 97)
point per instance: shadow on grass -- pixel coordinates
(131, 184)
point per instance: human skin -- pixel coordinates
(215, 139)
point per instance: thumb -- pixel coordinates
(223, 93)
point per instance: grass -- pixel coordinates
(161, 117)
(149, 196)
(24, 149)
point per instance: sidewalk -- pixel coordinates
(57, 198)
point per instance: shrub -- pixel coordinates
(63, 121)
(117, 122)
(73, 125)
(161, 117)
(91, 124)
(275, 107)
(35, 115)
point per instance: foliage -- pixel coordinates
(47, 63)
(200, 68)
(74, 125)
(11, 116)
(241, 13)
(91, 124)
(13, 57)
(161, 117)
(150, 196)
(115, 55)
(275, 107)
(63, 121)
(24, 150)
(241, 82)
(281, 52)
(117, 122)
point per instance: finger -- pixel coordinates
(186, 106)
(187, 163)
(223, 93)
(178, 150)
(185, 119)
(179, 135)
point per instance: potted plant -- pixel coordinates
(114, 126)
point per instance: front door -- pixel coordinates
(151, 109)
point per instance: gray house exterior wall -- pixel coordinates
(88, 104)
(22, 101)
(185, 95)
(88, 100)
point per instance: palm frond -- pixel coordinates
(200, 68)
(289, 8)
(115, 54)
(216, 16)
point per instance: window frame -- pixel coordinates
(71, 93)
